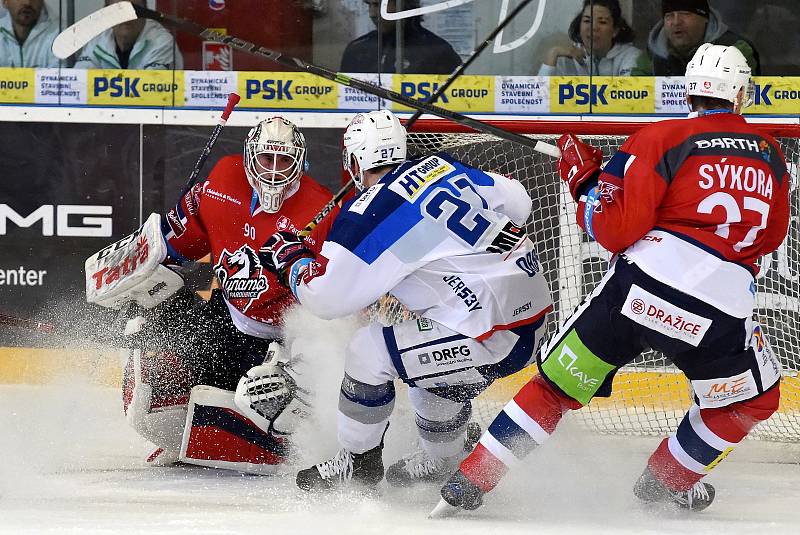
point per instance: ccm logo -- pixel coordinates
(60, 220)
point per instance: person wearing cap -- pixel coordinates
(686, 24)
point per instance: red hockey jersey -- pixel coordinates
(222, 216)
(695, 202)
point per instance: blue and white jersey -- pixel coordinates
(444, 238)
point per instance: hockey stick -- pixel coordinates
(31, 325)
(233, 99)
(461, 68)
(75, 37)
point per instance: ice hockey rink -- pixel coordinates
(72, 465)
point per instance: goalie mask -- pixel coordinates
(373, 139)
(718, 71)
(274, 161)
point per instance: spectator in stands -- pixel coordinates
(601, 44)
(27, 34)
(137, 44)
(686, 25)
(423, 52)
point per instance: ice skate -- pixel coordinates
(458, 493)
(345, 467)
(651, 490)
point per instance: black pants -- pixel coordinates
(203, 338)
(630, 312)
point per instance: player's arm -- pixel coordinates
(617, 204)
(352, 271)
(184, 232)
(779, 216)
(509, 197)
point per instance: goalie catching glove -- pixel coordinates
(268, 394)
(579, 165)
(280, 253)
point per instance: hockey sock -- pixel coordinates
(705, 437)
(524, 423)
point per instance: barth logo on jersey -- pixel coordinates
(413, 182)
(241, 275)
(660, 315)
(729, 143)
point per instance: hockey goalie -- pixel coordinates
(209, 382)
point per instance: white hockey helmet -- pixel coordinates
(374, 139)
(274, 161)
(720, 72)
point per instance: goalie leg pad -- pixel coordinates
(155, 410)
(217, 435)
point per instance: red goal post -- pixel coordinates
(650, 395)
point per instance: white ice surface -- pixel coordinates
(70, 464)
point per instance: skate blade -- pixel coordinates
(443, 510)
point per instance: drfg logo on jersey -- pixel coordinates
(60, 220)
(660, 315)
(241, 276)
(446, 355)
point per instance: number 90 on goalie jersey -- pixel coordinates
(444, 238)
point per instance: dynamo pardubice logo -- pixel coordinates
(241, 275)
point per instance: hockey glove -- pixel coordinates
(579, 163)
(281, 251)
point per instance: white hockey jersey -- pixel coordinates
(35, 51)
(154, 49)
(442, 237)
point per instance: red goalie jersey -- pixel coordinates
(694, 202)
(714, 180)
(222, 216)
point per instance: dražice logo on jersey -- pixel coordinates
(241, 275)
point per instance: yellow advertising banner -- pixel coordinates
(17, 86)
(284, 90)
(135, 88)
(468, 94)
(779, 95)
(606, 94)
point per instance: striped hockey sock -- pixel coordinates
(524, 423)
(705, 437)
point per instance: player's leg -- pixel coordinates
(442, 413)
(366, 401)
(441, 424)
(734, 390)
(577, 364)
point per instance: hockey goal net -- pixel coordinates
(650, 395)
